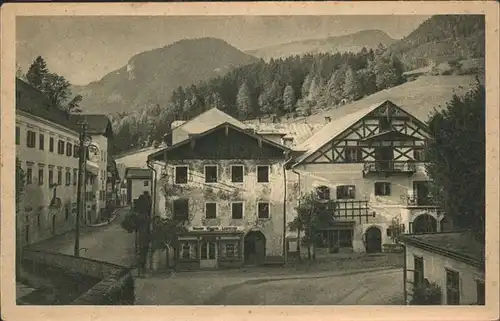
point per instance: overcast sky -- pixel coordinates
(84, 49)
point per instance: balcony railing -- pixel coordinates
(415, 200)
(389, 167)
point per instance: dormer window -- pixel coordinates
(384, 124)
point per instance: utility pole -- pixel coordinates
(81, 180)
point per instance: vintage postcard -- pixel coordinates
(331, 160)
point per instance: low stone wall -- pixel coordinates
(116, 285)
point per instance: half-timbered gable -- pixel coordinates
(383, 132)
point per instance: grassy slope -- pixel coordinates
(418, 97)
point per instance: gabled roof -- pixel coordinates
(331, 130)
(31, 100)
(337, 127)
(97, 124)
(207, 120)
(138, 173)
(158, 155)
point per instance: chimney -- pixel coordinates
(287, 141)
(327, 119)
(275, 119)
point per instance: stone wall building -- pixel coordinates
(227, 184)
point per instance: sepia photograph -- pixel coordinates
(250, 160)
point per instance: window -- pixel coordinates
(29, 175)
(237, 211)
(76, 151)
(210, 174)
(41, 141)
(146, 183)
(18, 135)
(75, 176)
(237, 173)
(346, 192)
(66, 213)
(384, 124)
(210, 210)
(382, 188)
(263, 210)
(60, 147)
(452, 288)
(40, 176)
(229, 250)
(69, 149)
(418, 275)
(68, 178)
(262, 174)
(323, 192)
(419, 154)
(480, 292)
(51, 176)
(31, 139)
(352, 154)
(181, 174)
(59, 177)
(181, 209)
(51, 144)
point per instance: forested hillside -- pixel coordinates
(281, 86)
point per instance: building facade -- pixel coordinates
(138, 182)
(451, 260)
(47, 149)
(372, 163)
(100, 130)
(227, 185)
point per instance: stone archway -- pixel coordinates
(373, 240)
(254, 248)
(424, 223)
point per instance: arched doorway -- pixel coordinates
(424, 223)
(254, 248)
(373, 240)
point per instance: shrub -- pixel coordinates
(426, 294)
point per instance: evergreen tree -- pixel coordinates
(351, 89)
(243, 102)
(37, 73)
(456, 162)
(289, 99)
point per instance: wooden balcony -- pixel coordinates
(389, 167)
(413, 200)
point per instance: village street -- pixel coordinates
(351, 284)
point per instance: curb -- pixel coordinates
(115, 214)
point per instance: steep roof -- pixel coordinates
(207, 120)
(97, 124)
(460, 245)
(158, 155)
(33, 101)
(331, 130)
(136, 172)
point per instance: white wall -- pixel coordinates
(34, 208)
(138, 187)
(434, 270)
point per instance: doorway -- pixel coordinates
(254, 248)
(424, 223)
(373, 242)
(384, 156)
(208, 258)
